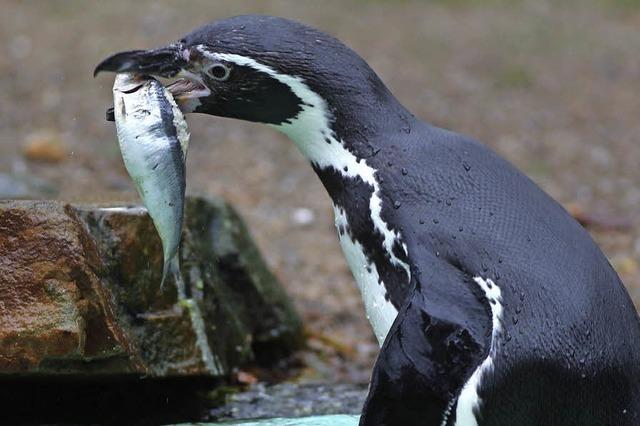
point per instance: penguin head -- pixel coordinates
(259, 68)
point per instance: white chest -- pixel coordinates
(380, 312)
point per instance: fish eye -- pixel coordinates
(219, 72)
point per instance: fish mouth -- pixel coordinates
(186, 92)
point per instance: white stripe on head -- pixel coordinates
(310, 130)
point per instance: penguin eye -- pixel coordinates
(220, 72)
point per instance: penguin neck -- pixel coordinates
(342, 154)
(326, 134)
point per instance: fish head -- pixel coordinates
(255, 68)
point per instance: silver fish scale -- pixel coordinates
(153, 139)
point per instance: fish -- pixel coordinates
(153, 137)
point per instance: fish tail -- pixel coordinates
(165, 272)
(172, 266)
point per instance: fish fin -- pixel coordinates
(170, 266)
(177, 275)
(165, 271)
(173, 267)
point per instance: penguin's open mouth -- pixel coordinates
(188, 87)
(167, 64)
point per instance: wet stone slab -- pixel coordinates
(80, 296)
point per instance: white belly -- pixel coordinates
(380, 312)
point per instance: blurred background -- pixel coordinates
(552, 86)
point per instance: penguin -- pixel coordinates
(491, 304)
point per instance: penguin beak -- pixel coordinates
(168, 62)
(164, 62)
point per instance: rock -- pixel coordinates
(321, 420)
(45, 146)
(292, 400)
(80, 297)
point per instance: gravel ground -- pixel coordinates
(290, 400)
(552, 86)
